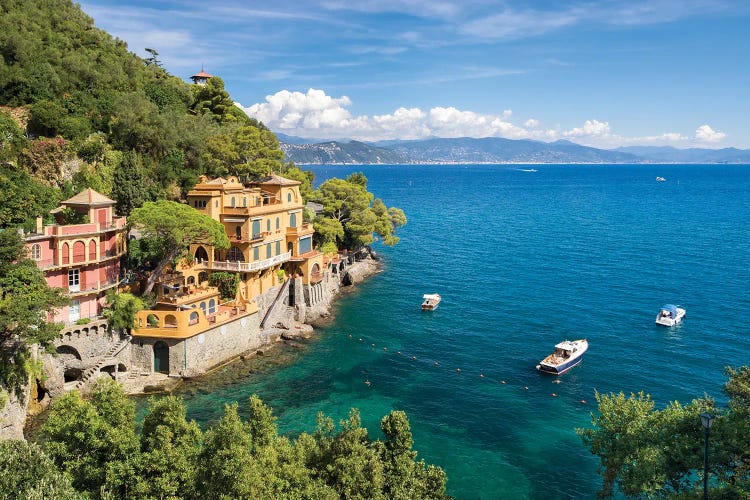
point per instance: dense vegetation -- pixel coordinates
(659, 453)
(25, 299)
(92, 447)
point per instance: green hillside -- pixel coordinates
(78, 110)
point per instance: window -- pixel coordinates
(268, 225)
(235, 255)
(74, 280)
(278, 247)
(292, 220)
(256, 253)
(74, 312)
(244, 202)
(256, 228)
(232, 201)
(305, 245)
(268, 250)
(211, 306)
(289, 197)
(36, 252)
(278, 223)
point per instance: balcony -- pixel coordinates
(258, 265)
(75, 290)
(303, 230)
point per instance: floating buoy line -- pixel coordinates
(458, 371)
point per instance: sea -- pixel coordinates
(524, 257)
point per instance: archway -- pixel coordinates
(161, 357)
(201, 255)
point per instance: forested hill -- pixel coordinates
(78, 110)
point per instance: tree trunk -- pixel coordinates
(156, 274)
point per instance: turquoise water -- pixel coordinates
(522, 261)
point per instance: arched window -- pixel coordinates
(92, 250)
(79, 251)
(211, 306)
(235, 255)
(203, 307)
(268, 225)
(289, 197)
(170, 321)
(36, 252)
(65, 250)
(193, 318)
(191, 280)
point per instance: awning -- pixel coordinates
(234, 219)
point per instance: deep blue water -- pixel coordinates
(524, 260)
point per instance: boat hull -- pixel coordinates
(666, 321)
(559, 369)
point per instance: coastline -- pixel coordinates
(282, 336)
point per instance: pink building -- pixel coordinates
(83, 257)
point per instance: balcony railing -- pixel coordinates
(76, 289)
(258, 265)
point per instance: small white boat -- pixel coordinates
(430, 302)
(567, 354)
(660, 179)
(670, 315)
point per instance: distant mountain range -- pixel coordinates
(492, 150)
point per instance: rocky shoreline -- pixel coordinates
(19, 413)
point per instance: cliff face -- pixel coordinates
(13, 415)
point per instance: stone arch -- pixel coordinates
(193, 318)
(290, 247)
(200, 254)
(191, 280)
(161, 357)
(170, 321)
(153, 320)
(68, 350)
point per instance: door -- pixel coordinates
(74, 312)
(161, 357)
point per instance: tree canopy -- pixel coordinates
(659, 453)
(174, 226)
(351, 216)
(95, 443)
(25, 300)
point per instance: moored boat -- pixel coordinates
(660, 179)
(430, 302)
(670, 315)
(567, 354)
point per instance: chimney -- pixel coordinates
(39, 225)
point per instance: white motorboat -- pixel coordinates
(670, 315)
(567, 354)
(430, 302)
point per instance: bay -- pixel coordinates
(523, 259)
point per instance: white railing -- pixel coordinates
(258, 265)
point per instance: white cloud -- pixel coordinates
(316, 115)
(704, 133)
(591, 128)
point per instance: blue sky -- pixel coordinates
(601, 73)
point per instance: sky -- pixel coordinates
(605, 73)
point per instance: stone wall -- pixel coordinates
(198, 354)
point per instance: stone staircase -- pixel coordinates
(103, 360)
(284, 287)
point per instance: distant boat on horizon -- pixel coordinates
(660, 179)
(528, 170)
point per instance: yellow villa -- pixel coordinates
(191, 329)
